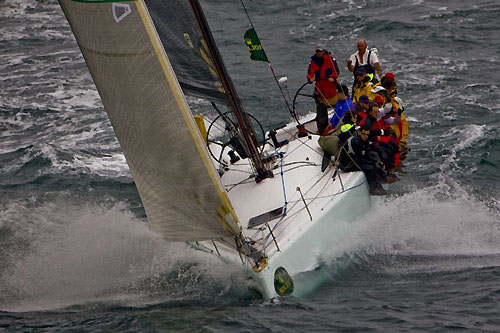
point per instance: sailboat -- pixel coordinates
(265, 205)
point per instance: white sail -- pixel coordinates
(179, 187)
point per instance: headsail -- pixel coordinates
(198, 65)
(186, 48)
(181, 191)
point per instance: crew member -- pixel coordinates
(323, 72)
(358, 152)
(362, 85)
(367, 60)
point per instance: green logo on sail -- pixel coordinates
(254, 46)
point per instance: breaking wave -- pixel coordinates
(438, 230)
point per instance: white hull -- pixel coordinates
(305, 249)
(333, 205)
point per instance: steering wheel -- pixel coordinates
(218, 133)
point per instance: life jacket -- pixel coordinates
(376, 125)
(346, 127)
(341, 108)
(361, 116)
(368, 67)
(321, 69)
(401, 129)
(390, 93)
(370, 73)
(362, 88)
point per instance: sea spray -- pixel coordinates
(432, 221)
(76, 254)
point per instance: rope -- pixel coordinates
(268, 62)
(281, 221)
(267, 241)
(350, 157)
(292, 112)
(295, 202)
(302, 143)
(266, 238)
(246, 12)
(334, 112)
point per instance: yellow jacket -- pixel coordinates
(363, 88)
(403, 133)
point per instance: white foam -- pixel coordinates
(86, 254)
(464, 139)
(109, 165)
(439, 220)
(77, 98)
(412, 119)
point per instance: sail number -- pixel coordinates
(255, 47)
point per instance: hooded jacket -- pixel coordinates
(320, 70)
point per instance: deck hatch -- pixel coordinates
(265, 217)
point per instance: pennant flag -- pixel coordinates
(254, 46)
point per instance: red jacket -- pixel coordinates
(320, 70)
(376, 125)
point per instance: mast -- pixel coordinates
(234, 101)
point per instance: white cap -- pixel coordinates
(320, 47)
(377, 89)
(385, 110)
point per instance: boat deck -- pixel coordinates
(307, 210)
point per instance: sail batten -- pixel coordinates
(117, 54)
(181, 191)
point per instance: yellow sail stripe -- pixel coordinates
(184, 108)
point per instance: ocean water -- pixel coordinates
(76, 253)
